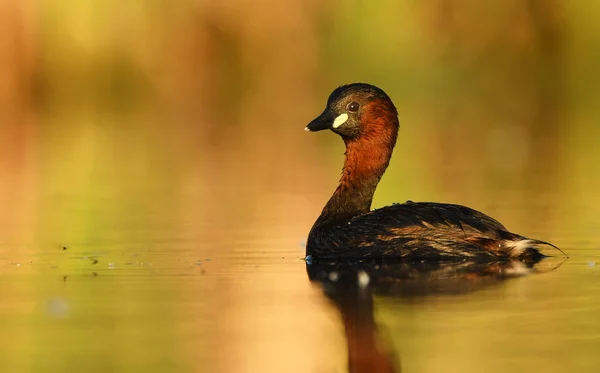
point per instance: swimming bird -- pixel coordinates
(367, 120)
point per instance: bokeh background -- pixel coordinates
(101, 97)
(144, 125)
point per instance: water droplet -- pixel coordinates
(334, 276)
(363, 279)
(591, 264)
(58, 308)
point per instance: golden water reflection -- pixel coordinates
(351, 288)
(163, 147)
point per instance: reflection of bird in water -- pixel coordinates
(349, 290)
(367, 120)
(351, 285)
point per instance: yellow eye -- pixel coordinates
(353, 106)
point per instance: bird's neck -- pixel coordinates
(366, 160)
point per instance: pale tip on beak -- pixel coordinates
(306, 129)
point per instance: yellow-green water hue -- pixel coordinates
(162, 145)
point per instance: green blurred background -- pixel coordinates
(128, 125)
(105, 97)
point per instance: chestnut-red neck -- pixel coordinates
(367, 157)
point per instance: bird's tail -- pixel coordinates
(527, 249)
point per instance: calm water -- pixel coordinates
(120, 256)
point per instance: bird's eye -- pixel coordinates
(353, 106)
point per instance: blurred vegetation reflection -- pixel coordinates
(172, 132)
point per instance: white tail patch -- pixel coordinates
(518, 247)
(341, 119)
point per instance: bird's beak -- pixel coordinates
(322, 122)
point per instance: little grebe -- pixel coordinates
(367, 120)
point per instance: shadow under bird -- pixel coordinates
(367, 120)
(351, 287)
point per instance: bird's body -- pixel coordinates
(420, 231)
(366, 119)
